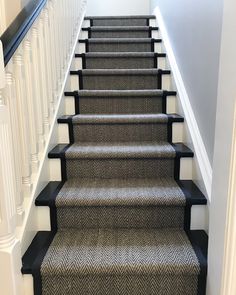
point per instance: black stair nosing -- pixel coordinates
(119, 28)
(58, 151)
(107, 72)
(65, 119)
(129, 40)
(193, 194)
(71, 93)
(120, 17)
(182, 151)
(172, 118)
(103, 54)
(36, 251)
(49, 193)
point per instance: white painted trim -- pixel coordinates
(2, 68)
(21, 231)
(199, 147)
(229, 269)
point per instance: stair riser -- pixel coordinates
(123, 132)
(120, 47)
(199, 218)
(120, 217)
(86, 23)
(126, 284)
(120, 132)
(119, 105)
(121, 82)
(119, 34)
(120, 63)
(58, 168)
(124, 34)
(119, 168)
(119, 22)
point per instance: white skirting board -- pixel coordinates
(204, 180)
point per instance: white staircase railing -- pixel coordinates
(33, 66)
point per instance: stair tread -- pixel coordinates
(119, 54)
(120, 150)
(126, 72)
(118, 28)
(122, 93)
(121, 40)
(120, 192)
(120, 252)
(192, 193)
(120, 17)
(120, 118)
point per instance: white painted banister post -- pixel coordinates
(10, 255)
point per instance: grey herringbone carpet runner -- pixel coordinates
(120, 213)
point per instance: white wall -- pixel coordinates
(223, 149)
(8, 12)
(194, 29)
(117, 7)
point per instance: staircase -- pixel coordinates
(121, 215)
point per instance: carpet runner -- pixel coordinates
(120, 215)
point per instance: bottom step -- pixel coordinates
(123, 261)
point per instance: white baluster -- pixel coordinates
(29, 82)
(19, 76)
(36, 90)
(43, 77)
(11, 102)
(53, 50)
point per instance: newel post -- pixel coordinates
(10, 256)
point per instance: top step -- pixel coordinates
(120, 17)
(129, 20)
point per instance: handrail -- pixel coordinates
(15, 33)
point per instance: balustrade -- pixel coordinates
(32, 70)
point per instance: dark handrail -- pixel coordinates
(15, 33)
